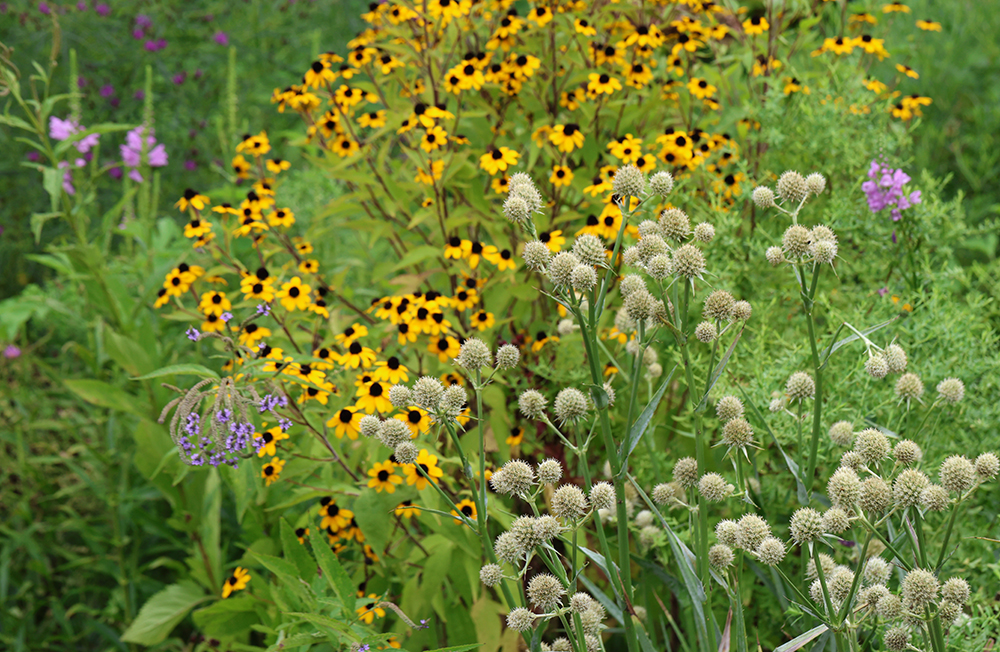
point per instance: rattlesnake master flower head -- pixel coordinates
(632, 256)
(957, 474)
(821, 232)
(823, 251)
(580, 602)
(516, 210)
(706, 332)
(508, 356)
(508, 549)
(491, 575)
(956, 590)
(644, 518)
(547, 528)
(907, 453)
(796, 241)
(771, 551)
(727, 532)
(909, 387)
(610, 391)
(751, 531)
(629, 181)
(520, 619)
(870, 595)
(920, 588)
(728, 408)
(987, 466)
(816, 183)
(660, 266)
(890, 607)
(704, 232)
(948, 611)
(589, 249)
(661, 183)
(896, 357)
(897, 639)
(427, 392)
(720, 556)
(631, 283)
(686, 472)
(714, 488)
(792, 187)
(648, 536)
(474, 354)
(536, 255)
(569, 503)
(602, 495)
(652, 245)
(371, 426)
(826, 563)
(775, 255)
(689, 262)
(908, 486)
(737, 433)
(549, 472)
(742, 311)
(934, 498)
(570, 405)
(406, 453)
(566, 326)
(453, 401)
(648, 227)
(391, 434)
(666, 493)
(876, 366)
(872, 445)
(639, 305)
(718, 305)
(800, 386)
(400, 396)
(763, 197)
(583, 278)
(675, 224)
(532, 404)
(561, 268)
(844, 488)
(835, 520)
(515, 478)
(842, 433)
(521, 185)
(545, 592)
(852, 460)
(877, 571)
(951, 390)
(806, 525)
(875, 495)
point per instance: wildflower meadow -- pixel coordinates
(453, 325)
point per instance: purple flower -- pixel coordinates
(149, 45)
(140, 94)
(107, 90)
(884, 189)
(221, 38)
(34, 156)
(226, 316)
(63, 129)
(179, 78)
(192, 334)
(81, 6)
(143, 21)
(190, 165)
(138, 35)
(67, 180)
(263, 309)
(135, 176)
(131, 151)
(44, 8)
(116, 172)
(102, 9)
(11, 352)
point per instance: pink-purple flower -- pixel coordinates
(63, 129)
(131, 151)
(221, 38)
(884, 188)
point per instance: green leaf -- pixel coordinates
(719, 368)
(370, 510)
(800, 640)
(100, 393)
(180, 370)
(334, 627)
(129, 354)
(417, 255)
(642, 423)
(163, 612)
(803, 495)
(335, 575)
(38, 220)
(296, 552)
(298, 639)
(457, 648)
(227, 618)
(286, 572)
(853, 336)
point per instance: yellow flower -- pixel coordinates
(874, 85)
(908, 71)
(269, 438)
(310, 266)
(294, 295)
(434, 138)
(197, 228)
(367, 612)
(895, 7)
(554, 240)
(427, 464)
(334, 517)
(272, 470)
(929, 25)
(700, 88)
(391, 371)
(446, 347)
(281, 217)
(482, 320)
(213, 324)
(755, 25)
(516, 436)
(236, 582)
(566, 137)
(583, 27)
(374, 398)
(383, 477)
(277, 165)
(192, 199)
(407, 509)
(214, 303)
(498, 160)
(417, 420)
(561, 176)
(468, 510)
(346, 422)
(503, 259)
(540, 15)
(603, 83)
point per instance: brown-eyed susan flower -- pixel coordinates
(281, 217)
(570, 100)
(304, 248)
(603, 83)
(225, 208)
(434, 138)
(319, 74)
(561, 176)
(516, 436)
(929, 25)
(309, 266)
(197, 228)
(334, 516)
(566, 137)
(294, 295)
(277, 165)
(895, 7)
(405, 334)
(370, 610)
(638, 74)
(901, 111)
(793, 85)
(373, 119)
(467, 508)
(498, 160)
(446, 10)
(874, 85)
(344, 147)
(254, 145)
(452, 378)
(162, 298)
(428, 468)
(464, 299)
(253, 287)
(176, 282)
(503, 259)
(417, 420)
(370, 554)
(374, 398)
(346, 422)
(523, 66)
(392, 371)
(253, 333)
(908, 71)
(392, 642)
(583, 26)
(357, 356)
(872, 45)
(383, 477)
(407, 509)
(700, 88)
(350, 334)
(457, 248)
(214, 303)
(862, 18)
(755, 25)
(269, 438)
(541, 339)
(213, 324)
(500, 184)
(276, 355)
(627, 148)
(236, 582)
(317, 394)
(477, 250)
(192, 199)
(306, 372)
(272, 470)
(482, 320)
(445, 346)
(554, 240)
(241, 167)
(540, 15)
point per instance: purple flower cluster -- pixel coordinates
(269, 402)
(63, 129)
(884, 188)
(131, 151)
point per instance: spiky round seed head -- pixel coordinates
(580, 602)
(889, 607)
(650, 356)
(632, 256)
(515, 478)
(948, 611)
(839, 584)
(835, 520)
(644, 518)
(877, 571)
(800, 386)
(956, 590)
(792, 187)
(566, 326)
(610, 391)
(583, 278)
(718, 305)
(391, 434)
(872, 445)
(751, 530)
(823, 251)
(661, 183)
(516, 210)
(876, 366)
(844, 488)
(763, 197)
(648, 227)
(549, 471)
(474, 354)
(920, 588)
(508, 356)
(728, 408)
(842, 433)
(521, 185)
(453, 401)
(957, 474)
(897, 639)
(536, 256)
(660, 266)
(545, 591)
(775, 255)
(602, 495)
(665, 493)
(796, 240)
(400, 396)
(547, 528)
(896, 357)
(406, 452)
(934, 498)
(570, 405)
(737, 432)
(875, 495)
(491, 575)
(427, 392)
(569, 503)
(592, 642)
(561, 644)
(689, 262)
(523, 530)
(520, 619)
(652, 245)
(816, 592)
(820, 232)
(648, 536)
(826, 563)
(907, 452)
(508, 549)
(720, 557)
(630, 284)
(706, 332)
(816, 183)
(370, 426)
(852, 460)
(908, 486)
(870, 596)
(560, 269)
(686, 472)
(593, 619)
(589, 249)
(629, 181)
(806, 525)
(675, 224)
(771, 551)
(987, 466)
(704, 232)
(742, 311)
(639, 305)
(909, 387)
(714, 488)
(532, 404)
(951, 390)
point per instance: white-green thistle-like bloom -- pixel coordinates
(951, 390)
(660, 266)
(570, 405)
(560, 269)
(516, 210)
(474, 354)
(920, 588)
(391, 435)
(565, 327)
(751, 531)
(491, 575)
(704, 232)
(727, 531)
(508, 549)
(872, 445)
(427, 393)
(869, 596)
(875, 495)
(806, 525)
(897, 639)
(816, 183)
(532, 404)
(648, 536)
(508, 356)
(714, 488)
(909, 387)
(520, 619)
(536, 256)
(569, 503)
(652, 245)
(796, 241)
(686, 472)
(589, 249)
(792, 187)
(629, 181)
(583, 278)
(763, 197)
(675, 224)
(400, 396)
(907, 452)
(737, 433)
(876, 366)
(593, 620)
(549, 471)
(800, 386)
(852, 460)
(771, 551)
(515, 478)
(844, 488)
(896, 357)
(580, 602)
(545, 592)
(369, 426)
(630, 284)
(742, 311)
(632, 256)
(728, 408)
(689, 262)
(644, 518)
(547, 528)
(665, 493)
(835, 520)
(957, 474)
(821, 232)
(842, 433)
(908, 486)
(839, 584)
(592, 642)
(948, 611)
(520, 184)
(877, 571)
(654, 370)
(602, 495)
(890, 607)
(649, 227)
(661, 183)
(610, 391)
(639, 304)
(956, 590)
(826, 563)
(823, 251)
(706, 332)
(453, 401)
(934, 498)
(987, 466)
(406, 452)
(775, 255)
(718, 305)
(720, 557)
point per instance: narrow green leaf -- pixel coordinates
(854, 336)
(417, 255)
(642, 423)
(100, 393)
(296, 552)
(803, 495)
(335, 575)
(602, 597)
(799, 641)
(296, 640)
(457, 648)
(719, 368)
(180, 370)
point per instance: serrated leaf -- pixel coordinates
(180, 370)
